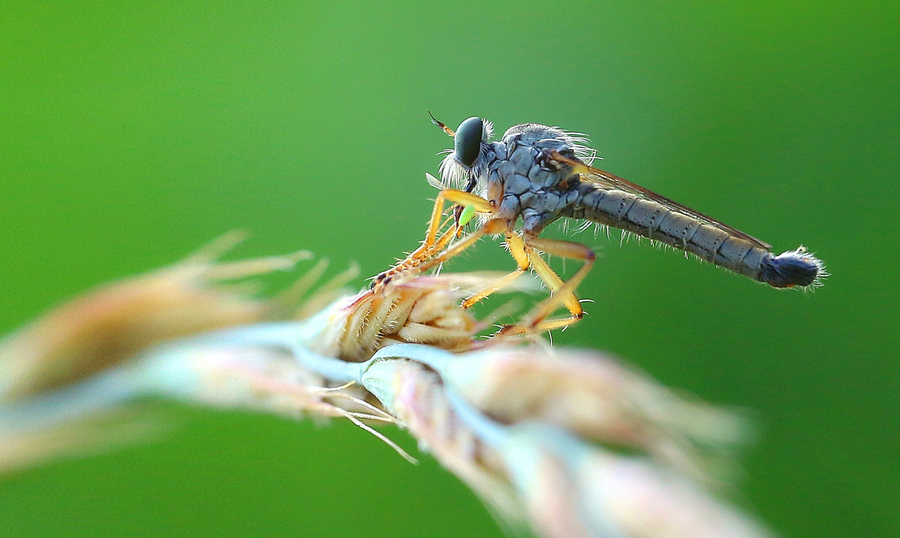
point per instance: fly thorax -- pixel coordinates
(532, 134)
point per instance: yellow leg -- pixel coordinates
(517, 250)
(527, 254)
(562, 293)
(429, 247)
(437, 248)
(467, 198)
(496, 286)
(491, 227)
(432, 251)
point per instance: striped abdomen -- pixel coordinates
(705, 238)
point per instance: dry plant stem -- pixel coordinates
(121, 342)
(62, 372)
(538, 460)
(522, 468)
(564, 485)
(115, 322)
(523, 425)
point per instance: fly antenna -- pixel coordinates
(446, 129)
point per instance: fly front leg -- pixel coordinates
(457, 248)
(438, 249)
(461, 199)
(466, 199)
(431, 245)
(436, 241)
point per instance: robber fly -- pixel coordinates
(539, 174)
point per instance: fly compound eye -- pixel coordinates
(467, 142)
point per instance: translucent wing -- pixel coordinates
(607, 181)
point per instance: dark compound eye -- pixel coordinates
(467, 142)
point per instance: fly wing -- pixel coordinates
(606, 181)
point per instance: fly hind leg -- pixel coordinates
(517, 250)
(562, 293)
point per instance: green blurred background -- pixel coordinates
(132, 133)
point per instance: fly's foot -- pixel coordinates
(536, 326)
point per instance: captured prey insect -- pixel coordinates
(539, 173)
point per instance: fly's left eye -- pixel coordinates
(467, 142)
